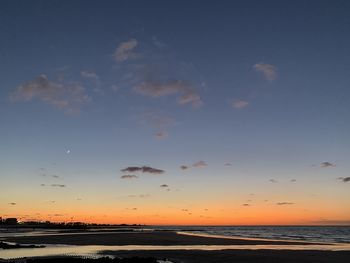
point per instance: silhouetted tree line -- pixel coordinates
(48, 224)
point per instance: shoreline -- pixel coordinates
(160, 238)
(177, 247)
(254, 238)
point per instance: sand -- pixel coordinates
(165, 238)
(162, 238)
(242, 256)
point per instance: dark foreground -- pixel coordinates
(199, 256)
(89, 260)
(242, 256)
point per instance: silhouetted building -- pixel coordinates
(11, 221)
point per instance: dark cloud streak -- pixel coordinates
(143, 169)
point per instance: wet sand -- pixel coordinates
(160, 238)
(168, 238)
(242, 256)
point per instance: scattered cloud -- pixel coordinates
(327, 164)
(200, 164)
(293, 180)
(12, 203)
(228, 164)
(240, 104)
(129, 176)
(161, 135)
(190, 97)
(164, 186)
(90, 75)
(139, 196)
(268, 70)
(158, 121)
(284, 203)
(143, 169)
(134, 208)
(124, 51)
(344, 179)
(67, 97)
(94, 78)
(273, 181)
(56, 214)
(114, 87)
(158, 89)
(58, 185)
(158, 43)
(55, 176)
(246, 204)
(42, 184)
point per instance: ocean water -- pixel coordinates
(326, 234)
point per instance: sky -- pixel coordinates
(175, 112)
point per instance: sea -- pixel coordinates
(324, 234)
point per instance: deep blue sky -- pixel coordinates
(262, 85)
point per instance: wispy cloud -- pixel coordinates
(161, 135)
(12, 203)
(124, 51)
(94, 78)
(293, 180)
(67, 97)
(327, 164)
(284, 203)
(129, 176)
(56, 214)
(268, 70)
(139, 196)
(240, 104)
(58, 185)
(246, 204)
(344, 179)
(158, 89)
(164, 186)
(143, 169)
(198, 164)
(273, 181)
(133, 208)
(158, 121)
(90, 75)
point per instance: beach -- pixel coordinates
(242, 256)
(178, 247)
(154, 238)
